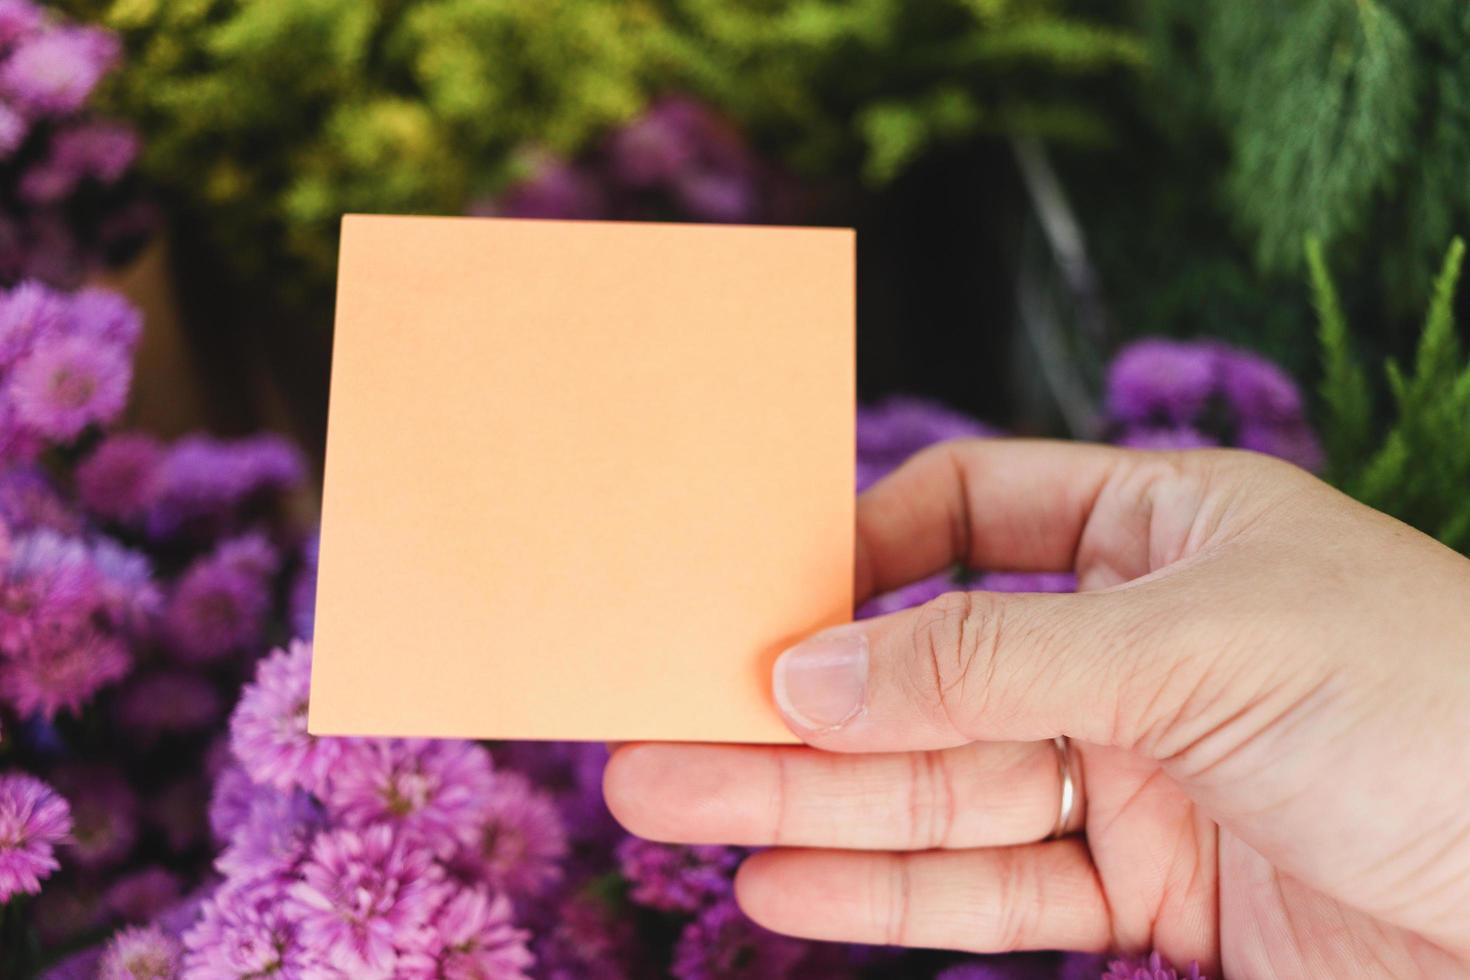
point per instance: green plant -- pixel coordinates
(1415, 465)
(264, 122)
(267, 121)
(1345, 120)
(869, 86)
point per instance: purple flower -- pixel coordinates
(1162, 382)
(555, 189)
(97, 151)
(436, 792)
(28, 313)
(587, 940)
(1013, 966)
(78, 966)
(29, 502)
(572, 773)
(104, 812)
(365, 899)
(167, 702)
(61, 668)
(245, 931)
(230, 802)
(274, 835)
(218, 606)
(48, 586)
(33, 820)
(908, 596)
(65, 385)
(126, 597)
(1028, 582)
(676, 877)
(722, 944)
(18, 18)
(475, 939)
(268, 728)
(143, 894)
(1257, 389)
(520, 842)
(303, 590)
(657, 147)
(892, 430)
(140, 953)
(718, 197)
(203, 483)
(13, 130)
(53, 72)
(103, 314)
(1152, 968)
(1294, 442)
(1165, 437)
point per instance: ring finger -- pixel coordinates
(978, 795)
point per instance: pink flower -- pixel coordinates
(143, 894)
(28, 313)
(17, 19)
(47, 584)
(98, 151)
(275, 834)
(61, 668)
(104, 811)
(435, 791)
(218, 607)
(676, 877)
(229, 804)
(366, 899)
(126, 595)
(13, 130)
(268, 728)
(53, 72)
(520, 842)
(33, 820)
(245, 932)
(65, 385)
(101, 313)
(475, 939)
(140, 954)
(117, 481)
(722, 944)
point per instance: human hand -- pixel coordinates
(1268, 689)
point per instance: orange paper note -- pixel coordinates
(584, 480)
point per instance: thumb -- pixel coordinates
(973, 666)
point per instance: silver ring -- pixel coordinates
(1068, 803)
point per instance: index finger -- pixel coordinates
(1002, 504)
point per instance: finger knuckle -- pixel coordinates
(1017, 906)
(930, 801)
(956, 641)
(898, 888)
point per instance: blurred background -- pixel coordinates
(1034, 182)
(1162, 223)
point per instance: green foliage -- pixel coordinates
(1418, 467)
(1344, 120)
(267, 121)
(270, 120)
(1344, 389)
(873, 84)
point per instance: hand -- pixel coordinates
(1268, 689)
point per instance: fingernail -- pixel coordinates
(822, 683)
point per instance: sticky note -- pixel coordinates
(584, 480)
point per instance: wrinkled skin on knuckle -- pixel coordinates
(955, 646)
